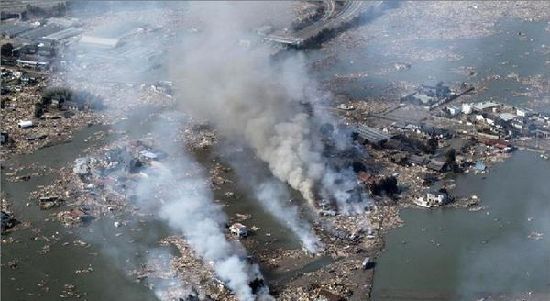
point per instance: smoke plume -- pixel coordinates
(187, 205)
(225, 75)
(271, 196)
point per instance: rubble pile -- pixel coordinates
(198, 136)
(25, 131)
(8, 220)
(196, 273)
(217, 175)
(451, 20)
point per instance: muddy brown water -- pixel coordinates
(110, 251)
(455, 254)
(57, 267)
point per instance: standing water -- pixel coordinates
(455, 254)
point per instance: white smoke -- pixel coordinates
(187, 205)
(271, 195)
(245, 94)
(184, 197)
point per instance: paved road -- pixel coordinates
(332, 18)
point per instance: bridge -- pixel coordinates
(336, 14)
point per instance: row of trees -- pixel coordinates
(81, 99)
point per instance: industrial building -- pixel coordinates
(365, 134)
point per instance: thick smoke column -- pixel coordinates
(271, 195)
(185, 200)
(220, 77)
(187, 205)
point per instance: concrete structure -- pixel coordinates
(521, 112)
(332, 19)
(466, 108)
(35, 64)
(507, 117)
(486, 105)
(453, 110)
(64, 34)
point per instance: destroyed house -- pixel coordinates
(81, 166)
(365, 134)
(417, 160)
(436, 132)
(437, 165)
(239, 230)
(433, 199)
(438, 90)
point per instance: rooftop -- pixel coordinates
(485, 105)
(371, 134)
(507, 116)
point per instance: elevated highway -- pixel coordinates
(337, 14)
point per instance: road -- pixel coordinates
(332, 18)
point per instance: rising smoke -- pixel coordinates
(225, 75)
(176, 192)
(271, 196)
(187, 205)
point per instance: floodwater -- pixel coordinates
(455, 254)
(502, 53)
(111, 252)
(43, 276)
(438, 254)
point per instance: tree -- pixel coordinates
(450, 160)
(37, 110)
(7, 49)
(450, 156)
(432, 145)
(387, 185)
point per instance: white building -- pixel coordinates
(239, 230)
(100, 42)
(466, 108)
(432, 199)
(453, 110)
(507, 117)
(486, 105)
